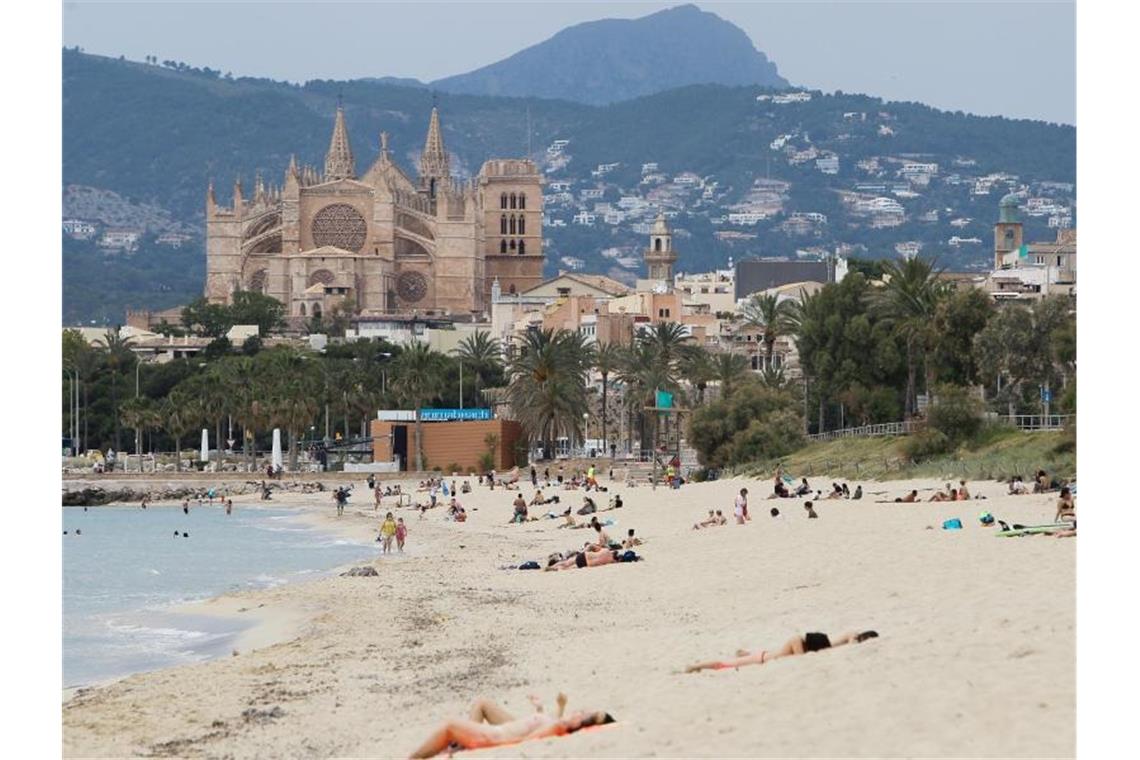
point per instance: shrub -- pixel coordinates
(926, 444)
(956, 413)
(755, 422)
(486, 461)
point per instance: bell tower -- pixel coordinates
(1007, 232)
(660, 257)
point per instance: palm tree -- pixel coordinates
(547, 389)
(727, 370)
(696, 367)
(118, 354)
(179, 417)
(667, 340)
(771, 315)
(607, 359)
(140, 415)
(481, 354)
(908, 303)
(418, 378)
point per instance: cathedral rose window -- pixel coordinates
(411, 286)
(339, 225)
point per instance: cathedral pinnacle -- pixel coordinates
(338, 161)
(434, 163)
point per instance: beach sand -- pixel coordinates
(976, 655)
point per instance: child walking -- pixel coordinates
(401, 533)
(387, 530)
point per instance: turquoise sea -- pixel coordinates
(125, 570)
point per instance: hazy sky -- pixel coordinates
(1011, 58)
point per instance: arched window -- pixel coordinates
(514, 224)
(514, 201)
(511, 290)
(503, 224)
(522, 200)
(522, 224)
(522, 247)
(303, 310)
(316, 310)
(512, 245)
(502, 246)
(657, 244)
(503, 200)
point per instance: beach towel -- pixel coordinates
(952, 524)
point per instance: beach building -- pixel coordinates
(453, 439)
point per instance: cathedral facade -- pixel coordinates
(381, 241)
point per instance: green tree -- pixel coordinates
(140, 414)
(729, 370)
(766, 312)
(547, 390)
(480, 354)
(211, 320)
(957, 319)
(248, 307)
(117, 356)
(753, 423)
(908, 303)
(607, 360)
(180, 415)
(418, 378)
(696, 368)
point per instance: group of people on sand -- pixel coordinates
(780, 489)
(961, 493)
(490, 725)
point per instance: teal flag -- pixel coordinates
(664, 400)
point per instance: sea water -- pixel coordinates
(126, 570)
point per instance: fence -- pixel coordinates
(871, 431)
(1039, 421)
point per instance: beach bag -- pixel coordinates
(531, 565)
(952, 524)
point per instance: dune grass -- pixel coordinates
(995, 455)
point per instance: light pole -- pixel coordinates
(586, 442)
(138, 433)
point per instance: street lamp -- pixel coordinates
(586, 443)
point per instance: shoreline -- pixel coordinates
(443, 624)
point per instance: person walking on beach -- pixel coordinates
(387, 532)
(229, 506)
(401, 534)
(741, 507)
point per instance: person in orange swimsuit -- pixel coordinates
(489, 725)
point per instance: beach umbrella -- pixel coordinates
(205, 454)
(276, 448)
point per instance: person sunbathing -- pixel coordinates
(809, 642)
(489, 725)
(590, 559)
(963, 494)
(568, 520)
(910, 498)
(858, 493)
(602, 541)
(836, 491)
(950, 495)
(804, 489)
(706, 523)
(631, 541)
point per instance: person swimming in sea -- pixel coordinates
(809, 642)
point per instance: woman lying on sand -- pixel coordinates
(809, 642)
(489, 725)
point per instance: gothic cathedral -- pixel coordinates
(388, 244)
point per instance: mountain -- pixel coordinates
(606, 61)
(141, 142)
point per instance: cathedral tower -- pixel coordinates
(338, 161)
(660, 257)
(435, 169)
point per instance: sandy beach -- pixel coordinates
(976, 655)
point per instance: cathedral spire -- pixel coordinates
(338, 161)
(434, 164)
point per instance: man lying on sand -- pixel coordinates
(910, 498)
(809, 642)
(489, 725)
(593, 559)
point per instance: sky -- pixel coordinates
(1013, 58)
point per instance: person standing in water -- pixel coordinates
(229, 506)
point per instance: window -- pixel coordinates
(514, 224)
(1058, 261)
(303, 310)
(657, 244)
(522, 247)
(503, 200)
(522, 224)
(511, 289)
(514, 201)
(503, 224)
(513, 246)
(502, 246)
(667, 312)
(522, 200)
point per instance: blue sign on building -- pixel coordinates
(437, 415)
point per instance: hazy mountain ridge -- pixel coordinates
(611, 60)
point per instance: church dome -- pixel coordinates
(1010, 200)
(1008, 207)
(660, 226)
